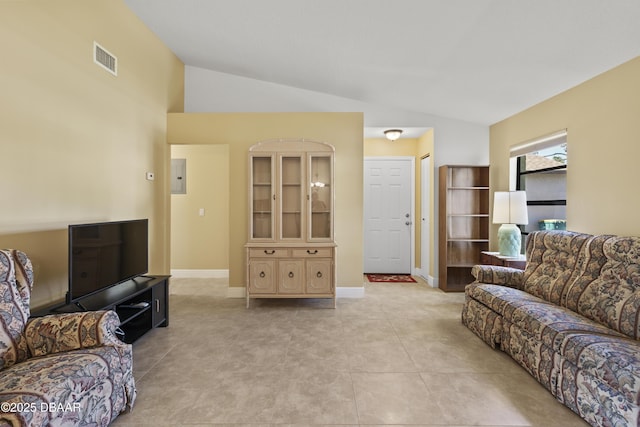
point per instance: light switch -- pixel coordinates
(201, 212)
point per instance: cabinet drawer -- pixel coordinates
(312, 252)
(262, 277)
(319, 276)
(290, 278)
(267, 252)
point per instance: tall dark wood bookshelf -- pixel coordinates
(463, 223)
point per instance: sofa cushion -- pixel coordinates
(539, 318)
(14, 310)
(551, 262)
(498, 297)
(608, 288)
(593, 397)
(614, 360)
(82, 387)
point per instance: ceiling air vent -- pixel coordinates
(106, 60)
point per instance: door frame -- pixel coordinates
(426, 237)
(412, 190)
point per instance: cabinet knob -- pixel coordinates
(291, 274)
(262, 274)
(319, 274)
(310, 252)
(271, 252)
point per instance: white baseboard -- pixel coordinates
(200, 274)
(236, 292)
(431, 281)
(350, 292)
(241, 292)
(341, 292)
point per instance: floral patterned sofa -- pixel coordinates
(571, 319)
(60, 370)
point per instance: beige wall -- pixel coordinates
(382, 147)
(417, 148)
(601, 116)
(241, 130)
(76, 141)
(201, 242)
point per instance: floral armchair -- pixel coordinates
(58, 370)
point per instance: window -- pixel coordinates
(539, 167)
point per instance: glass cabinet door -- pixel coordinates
(262, 196)
(321, 200)
(291, 197)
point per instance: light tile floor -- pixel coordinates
(397, 356)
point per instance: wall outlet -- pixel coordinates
(150, 176)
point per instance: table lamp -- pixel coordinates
(509, 209)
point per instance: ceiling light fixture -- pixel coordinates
(393, 134)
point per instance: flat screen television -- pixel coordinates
(105, 254)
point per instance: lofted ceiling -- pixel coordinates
(473, 60)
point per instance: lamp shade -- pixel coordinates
(510, 207)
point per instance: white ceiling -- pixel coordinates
(474, 60)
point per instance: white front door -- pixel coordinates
(388, 215)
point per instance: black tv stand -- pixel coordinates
(141, 305)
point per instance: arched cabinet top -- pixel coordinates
(291, 145)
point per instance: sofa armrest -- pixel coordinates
(498, 275)
(72, 331)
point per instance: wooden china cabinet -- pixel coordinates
(291, 250)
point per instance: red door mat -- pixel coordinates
(394, 278)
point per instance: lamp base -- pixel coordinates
(509, 240)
